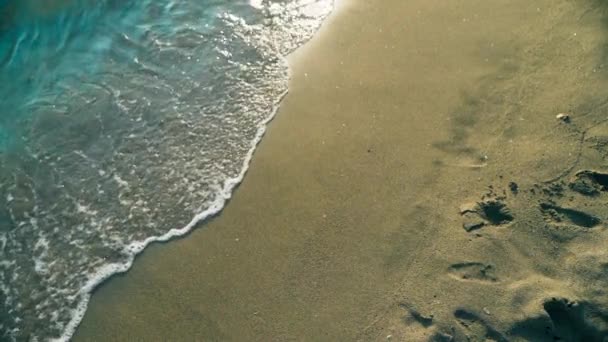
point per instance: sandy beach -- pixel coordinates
(417, 184)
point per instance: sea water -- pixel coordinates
(124, 122)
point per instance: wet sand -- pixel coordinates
(415, 185)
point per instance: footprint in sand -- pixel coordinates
(565, 320)
(426, 320)
(473, 271)
(589, 183)
(557, 215)
(491, 212)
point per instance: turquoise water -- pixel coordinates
(32, 51)
(122, 123)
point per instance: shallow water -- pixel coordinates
(123, 123)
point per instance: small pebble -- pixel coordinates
(514, 187)
(563, 117)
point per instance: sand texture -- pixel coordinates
(418, 184)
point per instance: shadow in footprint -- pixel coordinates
(424, 320)
(473, 271)
(496, 212)
(558, 215)
(565, 321)
(492, 212)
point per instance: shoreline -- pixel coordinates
(224, 197)
(347, 224)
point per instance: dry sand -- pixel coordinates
(406, 122)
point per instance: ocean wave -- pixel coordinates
(127, 122)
